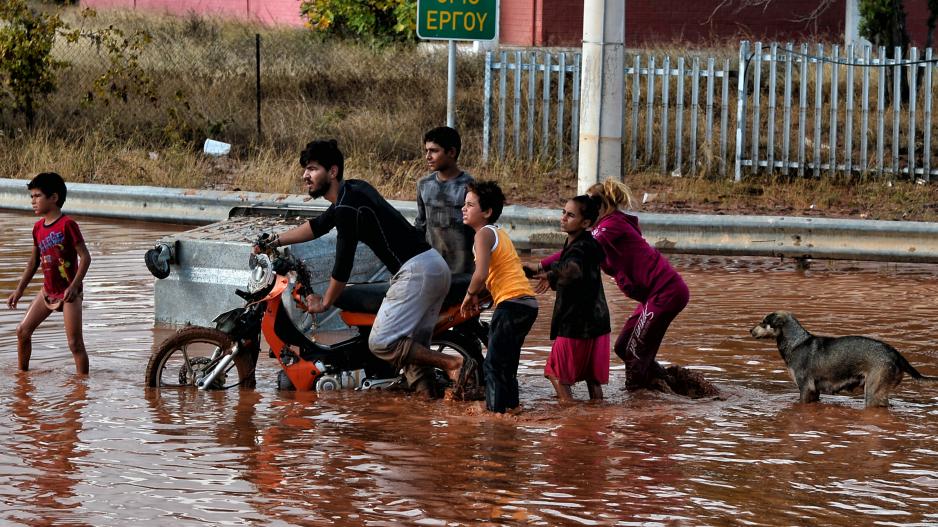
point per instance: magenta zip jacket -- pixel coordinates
(639, 270)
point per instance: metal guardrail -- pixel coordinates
(170, 205)
(796, 237)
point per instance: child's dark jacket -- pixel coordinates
(580, 310)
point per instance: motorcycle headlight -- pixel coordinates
(262, 273)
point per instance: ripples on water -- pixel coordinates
(106, 451)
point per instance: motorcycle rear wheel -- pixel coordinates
(455, 343)
(184, 358)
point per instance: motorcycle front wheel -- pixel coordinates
(189, 355)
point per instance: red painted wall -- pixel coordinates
(283, 12)
(916, 22)
(518, 19)
(560, 22)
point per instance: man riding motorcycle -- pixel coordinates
(420, 277)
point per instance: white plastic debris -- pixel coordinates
(216, 148)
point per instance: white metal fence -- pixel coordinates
(857, 111)
(545, 111)
(808, 110)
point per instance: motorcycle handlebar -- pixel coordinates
(283, 264)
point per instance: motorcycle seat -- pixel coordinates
(367, 297)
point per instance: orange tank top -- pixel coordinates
(506, 279)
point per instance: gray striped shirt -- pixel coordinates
(439, 216)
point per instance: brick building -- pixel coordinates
(560, 22)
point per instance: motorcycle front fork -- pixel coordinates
(219, 368)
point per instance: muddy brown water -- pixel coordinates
(105, 451)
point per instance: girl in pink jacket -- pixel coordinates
(644, 275)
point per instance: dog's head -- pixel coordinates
(771, 326)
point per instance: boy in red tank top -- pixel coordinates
(59, 248)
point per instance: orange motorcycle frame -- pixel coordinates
(303, 373)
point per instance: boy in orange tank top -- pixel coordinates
(498, 269)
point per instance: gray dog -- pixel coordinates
(830, 365)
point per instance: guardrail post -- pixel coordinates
(741, 111)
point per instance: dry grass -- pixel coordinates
(377, 103)
(782, 196)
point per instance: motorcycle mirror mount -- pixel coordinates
(159, 257)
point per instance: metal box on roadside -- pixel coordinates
(211, 262)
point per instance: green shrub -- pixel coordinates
(27, 69)
(374, 20)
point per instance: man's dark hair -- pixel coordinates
(490, 197)
(589, 208)
(50, 183)
(446, 137)
(326, 153)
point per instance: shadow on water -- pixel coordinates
(105, 451)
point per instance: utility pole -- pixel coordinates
(602, 88)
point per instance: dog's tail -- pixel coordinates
(908, 368)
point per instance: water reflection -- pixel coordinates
(46, 424)
(105, 451)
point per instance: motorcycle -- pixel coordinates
(226, 356)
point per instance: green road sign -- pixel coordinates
(457, 19)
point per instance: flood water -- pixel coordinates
(105, 451)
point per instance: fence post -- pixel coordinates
(636, 94)
(649, 110)
(818, 83)
(896, 108)
(695, 108)
(516, 106)
(802, 110)
(913, 94)
(926, 140)
(786, 122)
(710, 82)
(741, 111)
(487, 108)
(756, 104)
(561, 87)
(723, 115)
(679, 117)
(835, 90)
(865, 119)
(665, 97)
(545, 106)
(773, 100)
(848, 123)
(881, 110)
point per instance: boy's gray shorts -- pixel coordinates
(411, 307)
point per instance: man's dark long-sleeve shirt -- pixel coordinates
(360, 214)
